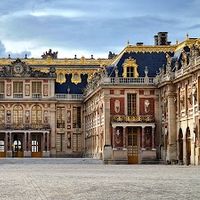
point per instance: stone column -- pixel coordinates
(53, 129)
(27, 149)
(124, 137)
(107, 121)
(29, 144)
(143, 137)
(25, 145)
(6, 142)
(9, 150)
(107, 154)
(171, 150)
(10, 141)
(43, 141)
(47, 141)
(113, 137)
(153, 138)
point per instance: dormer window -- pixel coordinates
(130, 72)
(130, 68)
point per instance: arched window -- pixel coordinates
(36, 116)
(2, 115)
(2, 147)
(18, 115)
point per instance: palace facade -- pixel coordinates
(139, 106)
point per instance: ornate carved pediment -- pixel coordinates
(21, 69)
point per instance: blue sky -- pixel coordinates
(86, 27)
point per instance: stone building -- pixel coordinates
(141, 105)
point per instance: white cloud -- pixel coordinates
(57, 12)
(86, 27)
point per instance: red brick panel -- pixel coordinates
(146, 106)
(152, 92)
(141, 92)
(121, 91)
(117, 106)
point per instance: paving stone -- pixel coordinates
(88, 179)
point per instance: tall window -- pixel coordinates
(2, 115)
(18, 89)
(131, 104)
(36, 115)
(130, 72)
(36, 89)
(36, 143)
(18, 115)
(76, 117)
(60, 142)
(76, 145)
(60, 117)
(2, 146)
(2, 90)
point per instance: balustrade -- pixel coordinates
(24, 126)
(138, 118)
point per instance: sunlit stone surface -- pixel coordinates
(89, 179)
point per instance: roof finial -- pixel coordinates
(177, 42)
(128, 42)
(187, 36)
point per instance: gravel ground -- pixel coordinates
(85, 179)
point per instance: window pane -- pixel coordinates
(18, 115)
(131, 104)
(36, 87)
(1, 87)
(2, 115)
(36, 115)
(18, 87)
(60, 117)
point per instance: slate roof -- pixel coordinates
(73, 88)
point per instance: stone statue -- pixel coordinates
(50, 54)
(184, 59)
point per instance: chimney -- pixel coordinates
(139, 44)
(156, 40)
(162, 38)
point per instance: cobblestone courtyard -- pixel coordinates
(88, 179)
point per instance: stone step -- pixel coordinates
(50, 161)
(152, 162)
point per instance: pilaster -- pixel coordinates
(171, 151)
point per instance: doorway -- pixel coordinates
(17, 146)
(180, 144)
(188, 146)
(132, 146)
(36, 150)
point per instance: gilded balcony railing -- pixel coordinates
(137, 118)
(24, 126)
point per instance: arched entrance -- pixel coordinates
(2, 148)
(36, 142)
(180, 144)
(188, 146)
(17, 145)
